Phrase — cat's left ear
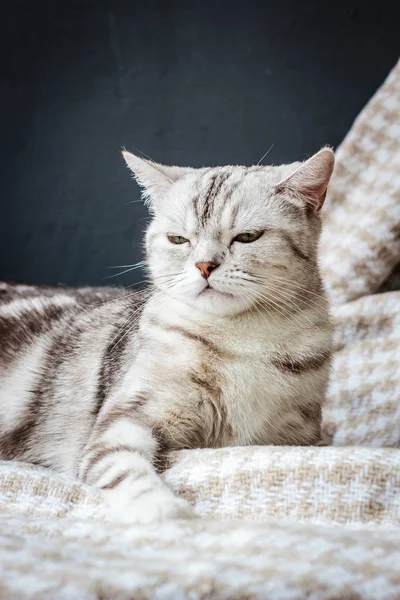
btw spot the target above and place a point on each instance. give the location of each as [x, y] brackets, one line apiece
[154, 179]
[308, 183]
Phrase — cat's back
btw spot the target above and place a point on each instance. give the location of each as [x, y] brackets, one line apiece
[59, 349]
[31, 313]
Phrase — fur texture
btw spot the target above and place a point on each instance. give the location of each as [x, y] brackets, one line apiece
[98, 383]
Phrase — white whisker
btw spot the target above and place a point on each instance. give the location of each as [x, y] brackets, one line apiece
[266, 154]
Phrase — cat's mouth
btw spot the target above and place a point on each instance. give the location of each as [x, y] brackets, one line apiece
[211, 292]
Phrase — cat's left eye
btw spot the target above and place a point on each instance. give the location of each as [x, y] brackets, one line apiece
[177, 239]
[248, 236]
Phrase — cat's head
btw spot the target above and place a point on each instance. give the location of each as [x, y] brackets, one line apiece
[226, 239]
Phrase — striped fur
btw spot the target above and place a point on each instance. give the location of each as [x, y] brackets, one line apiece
[98, 383]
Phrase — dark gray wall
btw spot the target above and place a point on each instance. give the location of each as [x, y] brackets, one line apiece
[193, 83]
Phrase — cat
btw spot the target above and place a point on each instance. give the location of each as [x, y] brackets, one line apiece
[229, 345]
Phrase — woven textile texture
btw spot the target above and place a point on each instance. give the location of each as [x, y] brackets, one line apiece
[363, 404]
[278, 523]
[360, 243]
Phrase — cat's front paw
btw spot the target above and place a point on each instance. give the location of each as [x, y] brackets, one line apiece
[152, 506]
[158, 506]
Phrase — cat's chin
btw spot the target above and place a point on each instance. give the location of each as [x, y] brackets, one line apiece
[212, 301]
[212, 293]
[220, 303]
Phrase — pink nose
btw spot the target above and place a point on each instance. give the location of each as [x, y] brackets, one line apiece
[205, 268]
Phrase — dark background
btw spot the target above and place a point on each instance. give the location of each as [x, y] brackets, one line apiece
[191, 83]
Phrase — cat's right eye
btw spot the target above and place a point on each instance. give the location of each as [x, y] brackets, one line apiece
[177, 239]
[248, 236]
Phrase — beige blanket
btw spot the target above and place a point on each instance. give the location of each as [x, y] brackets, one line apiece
[280, 523]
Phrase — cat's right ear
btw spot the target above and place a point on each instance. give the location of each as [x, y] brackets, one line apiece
[154, 179]
[309, 182]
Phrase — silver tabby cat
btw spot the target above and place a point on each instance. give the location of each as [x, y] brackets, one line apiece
[230, 345]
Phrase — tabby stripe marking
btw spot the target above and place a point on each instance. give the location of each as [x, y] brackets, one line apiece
[103, 453]
[295, 249]
[21, 438]
[15, 332]
[207, 199]
[15, 442]
[111, 363]
[210, 346]
[213, 190]
[38, 304]
[146, 490]
[212, 389]
[311, 412]
[234, 214]
[124, 412]
[196, 206]
[114, 482]
[288, 364]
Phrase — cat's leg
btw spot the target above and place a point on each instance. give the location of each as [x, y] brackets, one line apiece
[119, 460]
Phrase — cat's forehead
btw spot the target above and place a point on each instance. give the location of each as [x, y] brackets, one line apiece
[225, 197]
[208, 184]
[211, 192]
[237, 175]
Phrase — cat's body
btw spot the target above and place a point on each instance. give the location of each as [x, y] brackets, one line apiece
[95, 383]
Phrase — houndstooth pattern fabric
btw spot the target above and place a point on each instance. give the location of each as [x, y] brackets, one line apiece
[274, 522]
[363, 402]
[360, 246]
[197, 560]
[55, 540]
[360, 243]
[357, 486]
